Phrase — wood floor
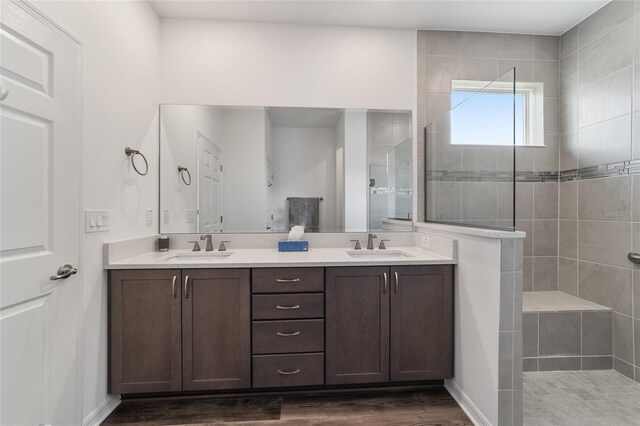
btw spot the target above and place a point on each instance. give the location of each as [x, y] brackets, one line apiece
[433, 407]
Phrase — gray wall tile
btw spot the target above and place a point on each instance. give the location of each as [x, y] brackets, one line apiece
[604, 20]
[545, 200]
[545, 237]
[526, 226]
[605, 285]
[483, 45]
[515, 46]
[505, 407]
[606, 55]
[605, 99]
[547, 72]
[545, 273]
[530, 334]
[569, 74]
[636, 294]
[445, 43]
[524, 68]
[569, 42]
[605, 242]
[527, 274]
[623, 367]
[568, 113]
[546, 47]
[568, 239]
[635, 136]
[507, 280]
[559, 333]
[636, 86]
[568, 200]
[439, 71]
[597, 334]
[568, 276]
[505, 362]
[604, 199]
[559, 364]
[597, 362]
[636, 339]
[547, 158]
[623, 337]
[568, 151]
[605, 142]
[636, 198]
[530, 364]
[524, 200]
[551, 116]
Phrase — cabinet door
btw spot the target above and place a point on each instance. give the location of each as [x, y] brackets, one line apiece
[421, 322]
[357, 325]
[144, 331]
[216, 352]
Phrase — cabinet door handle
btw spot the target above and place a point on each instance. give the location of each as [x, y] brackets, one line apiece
[287, 373]
[295, 333]
[385, 284]
[173, 286]
[288, 307]
[186, 287]
[288, 280]
[396, 282]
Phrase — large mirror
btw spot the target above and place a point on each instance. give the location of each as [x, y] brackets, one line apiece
[266, 169]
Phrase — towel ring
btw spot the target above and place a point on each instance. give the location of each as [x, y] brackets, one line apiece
[181, 170]
[132, 153]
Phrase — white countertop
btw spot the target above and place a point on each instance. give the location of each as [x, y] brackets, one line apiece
[271, 258]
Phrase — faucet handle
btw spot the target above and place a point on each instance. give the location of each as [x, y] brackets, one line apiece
[382, 246]
[357, 246]
[205, 236]
[222, 246]
[196, 246]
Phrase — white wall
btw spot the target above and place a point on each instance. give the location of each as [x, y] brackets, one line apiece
[244, 172]
[178, 127]
[237, 63]
[304, 164]
[120, 108]
[476, 322]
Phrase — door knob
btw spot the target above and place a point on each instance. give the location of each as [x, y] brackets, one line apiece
[65, 271]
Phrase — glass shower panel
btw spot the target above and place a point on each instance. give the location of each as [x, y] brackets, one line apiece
[470, 156]
[400, 181]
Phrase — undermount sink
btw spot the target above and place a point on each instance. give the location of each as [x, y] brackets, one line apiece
[378, 254]
[210, 257]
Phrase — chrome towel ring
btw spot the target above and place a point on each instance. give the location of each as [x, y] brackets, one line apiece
[181, 170]
[132, 153]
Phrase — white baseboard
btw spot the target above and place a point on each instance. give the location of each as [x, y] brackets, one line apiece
[102, 411]
[466, 404]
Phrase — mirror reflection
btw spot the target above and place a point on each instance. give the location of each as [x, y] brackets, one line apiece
[266, 169]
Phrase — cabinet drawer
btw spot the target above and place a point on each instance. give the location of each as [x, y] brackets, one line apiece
[287, 306]
[279, 337]
[288, 370]
[288, 280]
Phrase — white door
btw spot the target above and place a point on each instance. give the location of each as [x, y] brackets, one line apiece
[39, 227]
[210, 216]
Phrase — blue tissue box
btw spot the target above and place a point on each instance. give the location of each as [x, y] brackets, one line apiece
[293, 245]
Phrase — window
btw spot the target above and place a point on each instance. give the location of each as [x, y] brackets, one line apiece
[482, 113]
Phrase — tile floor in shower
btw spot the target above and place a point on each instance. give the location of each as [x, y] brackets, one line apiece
[584, 398]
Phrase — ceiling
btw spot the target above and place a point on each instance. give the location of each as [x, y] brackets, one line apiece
[552, 17]
[317, 118]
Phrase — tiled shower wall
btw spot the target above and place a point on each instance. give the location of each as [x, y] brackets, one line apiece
[447, 55]
[599, 207]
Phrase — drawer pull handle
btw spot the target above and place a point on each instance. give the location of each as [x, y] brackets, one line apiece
[288, 307]
[288, 373]
[295, 333]
[288, 280]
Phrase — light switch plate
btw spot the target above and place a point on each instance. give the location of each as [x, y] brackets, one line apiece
[426, 243]
[97, 220]
[149, 216]
[166, 216]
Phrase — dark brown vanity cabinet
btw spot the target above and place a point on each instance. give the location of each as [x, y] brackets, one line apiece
[173, 330]
[145, 331]
[389, 324]
[216, 334]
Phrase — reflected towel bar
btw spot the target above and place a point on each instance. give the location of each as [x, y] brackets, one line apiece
[634, 257]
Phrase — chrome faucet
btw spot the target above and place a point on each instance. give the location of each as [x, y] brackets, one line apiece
[209, 242]
[370, 241]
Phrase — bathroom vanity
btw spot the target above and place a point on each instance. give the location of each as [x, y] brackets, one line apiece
[338, 321]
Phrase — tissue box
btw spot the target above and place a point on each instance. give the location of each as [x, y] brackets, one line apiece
[293, 245]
